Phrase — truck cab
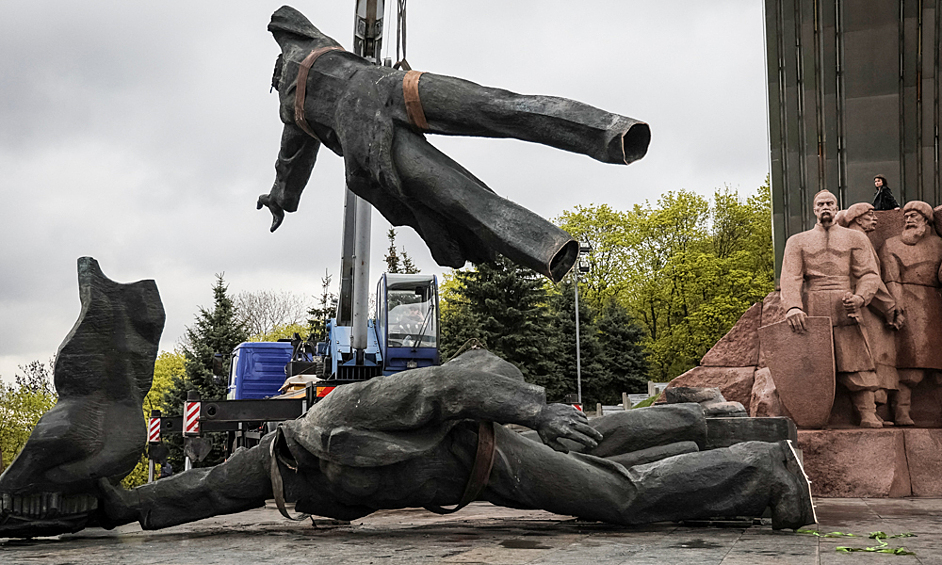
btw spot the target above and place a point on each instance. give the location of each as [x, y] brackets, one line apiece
[407, 321]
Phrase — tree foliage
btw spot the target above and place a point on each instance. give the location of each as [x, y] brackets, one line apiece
[216, 330]
[21, 406]
[507, 308]
[323, 311]
[398, 261]
[685, 268]
[168, 366]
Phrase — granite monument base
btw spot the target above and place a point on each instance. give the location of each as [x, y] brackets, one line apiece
[887, 463]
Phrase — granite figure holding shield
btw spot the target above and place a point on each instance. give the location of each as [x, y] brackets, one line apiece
[376, 118]
[830, 271]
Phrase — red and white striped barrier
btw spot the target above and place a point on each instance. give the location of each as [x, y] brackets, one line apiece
[153, 430]
[191, 418]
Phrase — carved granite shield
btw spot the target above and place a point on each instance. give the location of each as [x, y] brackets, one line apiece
[802, 368]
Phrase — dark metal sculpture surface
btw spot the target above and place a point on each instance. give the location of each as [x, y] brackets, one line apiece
[367, 114]
[103, 370]
[411, 440]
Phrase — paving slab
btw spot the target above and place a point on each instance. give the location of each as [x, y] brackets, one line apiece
[486, 534]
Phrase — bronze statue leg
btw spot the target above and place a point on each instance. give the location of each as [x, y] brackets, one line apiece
[741, 480]
[240, 483]
[454, 197]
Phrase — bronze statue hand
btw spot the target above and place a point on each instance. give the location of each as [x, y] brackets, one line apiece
[278, 214]
[563, 421]
[796, 319]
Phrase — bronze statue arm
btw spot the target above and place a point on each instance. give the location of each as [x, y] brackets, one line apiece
[292, 171]
[472, 389]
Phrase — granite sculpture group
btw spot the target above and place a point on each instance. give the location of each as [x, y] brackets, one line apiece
[884, 307]
[421, 438]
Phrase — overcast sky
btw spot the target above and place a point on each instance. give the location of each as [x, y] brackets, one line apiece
[141, 133]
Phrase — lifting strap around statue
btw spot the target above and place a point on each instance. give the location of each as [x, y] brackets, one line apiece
[410, 91]
[277, 483]
[301, 90]
[480, 471]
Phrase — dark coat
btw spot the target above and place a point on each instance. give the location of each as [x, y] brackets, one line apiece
[883, 199]
[357, 110]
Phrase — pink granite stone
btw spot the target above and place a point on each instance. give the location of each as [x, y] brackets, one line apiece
[889, 224]
[735, 383]
[740, 346]
[924, 454]
[772, 310]
[765, 401]
[802, 367]
[856, 462]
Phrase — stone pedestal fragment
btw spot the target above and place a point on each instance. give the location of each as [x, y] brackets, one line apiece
[856, 462]
[735, 383]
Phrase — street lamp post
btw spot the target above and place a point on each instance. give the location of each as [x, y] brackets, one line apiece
[581, 267]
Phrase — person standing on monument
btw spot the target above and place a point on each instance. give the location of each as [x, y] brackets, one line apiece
[910, 263]
[882, 315]
[883, 197]
[830, 271]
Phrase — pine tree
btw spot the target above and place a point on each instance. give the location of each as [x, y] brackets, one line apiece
[323, 311]
[510, 306]
[214, 331]
[392, 256]
[398, 261]
[623, 357]
[458, 323]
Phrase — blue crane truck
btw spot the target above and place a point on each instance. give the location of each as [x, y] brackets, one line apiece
[270, 382]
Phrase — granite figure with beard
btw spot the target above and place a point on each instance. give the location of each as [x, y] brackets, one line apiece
[831, 271]
[911, 263]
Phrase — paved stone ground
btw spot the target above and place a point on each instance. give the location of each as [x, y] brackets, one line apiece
[482, 533]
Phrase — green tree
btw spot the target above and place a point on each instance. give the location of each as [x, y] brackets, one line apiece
[685, 268]
[458, 323]
[509, 307]
[168, 366]
[398, 261]
[214, 331]
[323, 311]
[595, 380]
[622, 352]
[605, 230]
[285, 331]
[696, 267]
[21, 406]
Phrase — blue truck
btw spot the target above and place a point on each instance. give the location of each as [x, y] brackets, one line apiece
[257, 369]
[403, 334]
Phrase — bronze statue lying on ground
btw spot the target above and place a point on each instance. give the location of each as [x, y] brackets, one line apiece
[422, 438]
[430, 438]
[375, 118]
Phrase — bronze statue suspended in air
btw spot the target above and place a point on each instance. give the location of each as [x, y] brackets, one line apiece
[376, 118]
